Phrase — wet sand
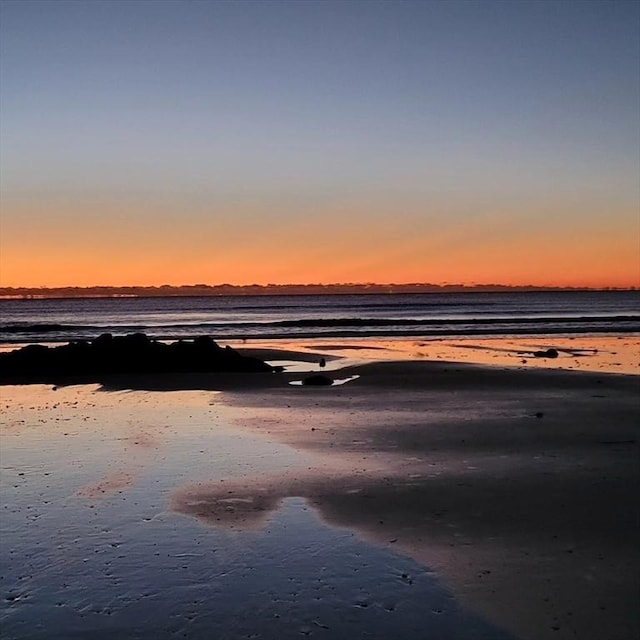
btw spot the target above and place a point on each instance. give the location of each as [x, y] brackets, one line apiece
[93, 548]
[602, 354]
[518, 486]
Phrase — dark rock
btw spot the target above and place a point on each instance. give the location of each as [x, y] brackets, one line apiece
[103, 341]
[134, 353]
[317, 380]
[549, 353]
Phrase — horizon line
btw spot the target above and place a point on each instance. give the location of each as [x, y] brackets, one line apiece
[201, 289]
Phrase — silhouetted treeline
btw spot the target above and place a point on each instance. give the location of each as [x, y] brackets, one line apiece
[201, 290]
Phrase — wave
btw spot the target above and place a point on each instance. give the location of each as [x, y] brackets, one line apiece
[406, 322]
[46, 328]
[311, 323]
[372, 305]
[331, 328]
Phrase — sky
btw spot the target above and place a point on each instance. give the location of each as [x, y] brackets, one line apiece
[189, 141]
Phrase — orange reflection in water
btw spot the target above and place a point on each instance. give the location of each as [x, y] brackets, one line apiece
[604, 354]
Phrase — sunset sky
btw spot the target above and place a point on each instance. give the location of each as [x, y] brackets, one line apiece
[145, 143]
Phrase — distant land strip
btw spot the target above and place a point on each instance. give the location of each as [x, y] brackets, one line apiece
[205, 290]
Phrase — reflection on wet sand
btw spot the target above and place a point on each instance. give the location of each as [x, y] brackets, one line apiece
[541, 542]
[517, 487]
[116, 481]
[72, 565]
[612, 354]
[228, 506]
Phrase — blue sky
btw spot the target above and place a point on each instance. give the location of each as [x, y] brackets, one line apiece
[404, 117]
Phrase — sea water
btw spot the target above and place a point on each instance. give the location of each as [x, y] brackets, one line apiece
[321, 316]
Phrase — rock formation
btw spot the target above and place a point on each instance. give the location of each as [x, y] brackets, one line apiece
[131, 354]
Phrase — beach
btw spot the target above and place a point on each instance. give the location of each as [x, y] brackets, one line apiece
[488, 494]
[319, 319]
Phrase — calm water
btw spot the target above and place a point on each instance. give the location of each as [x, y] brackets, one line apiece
[286, 317]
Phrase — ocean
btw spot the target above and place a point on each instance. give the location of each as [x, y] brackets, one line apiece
[320, 316]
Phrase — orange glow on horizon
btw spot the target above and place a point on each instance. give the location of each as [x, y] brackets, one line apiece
[331, 245]
[50, 270]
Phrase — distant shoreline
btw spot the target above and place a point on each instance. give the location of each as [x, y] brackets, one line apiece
[204, 291]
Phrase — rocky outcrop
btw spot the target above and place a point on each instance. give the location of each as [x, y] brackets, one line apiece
[130, 354]
[549, 353]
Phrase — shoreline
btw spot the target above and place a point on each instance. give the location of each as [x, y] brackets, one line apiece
[604, 354]
[340, 334]
[618, 354]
